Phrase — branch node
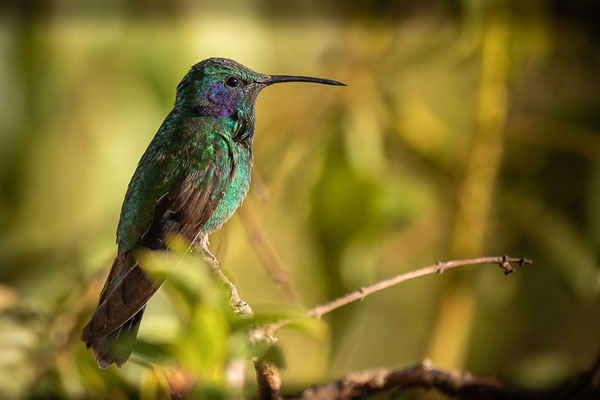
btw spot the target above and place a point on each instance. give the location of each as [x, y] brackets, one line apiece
[261, 334]
[505, 265]
[440, 267]
[427, 364]
[524, 261]
[315, 313]
[363, 291]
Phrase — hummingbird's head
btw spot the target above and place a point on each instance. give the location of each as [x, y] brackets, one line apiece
[223, 87]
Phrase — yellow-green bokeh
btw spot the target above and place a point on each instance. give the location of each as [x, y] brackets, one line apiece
[467, 129]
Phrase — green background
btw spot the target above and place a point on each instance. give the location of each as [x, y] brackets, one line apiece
[468, 128]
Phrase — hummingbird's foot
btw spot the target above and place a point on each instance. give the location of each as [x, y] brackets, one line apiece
[201, 245]
[211, 259]
[201, 242]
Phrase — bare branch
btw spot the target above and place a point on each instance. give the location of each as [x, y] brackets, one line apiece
[268, 379]
[455, 383]
[368, 382]
[586, 385]
[437, 268]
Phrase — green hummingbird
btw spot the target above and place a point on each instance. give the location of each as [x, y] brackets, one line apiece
[193, 176]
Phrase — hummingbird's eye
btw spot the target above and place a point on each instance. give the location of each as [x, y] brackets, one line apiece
[232, 81]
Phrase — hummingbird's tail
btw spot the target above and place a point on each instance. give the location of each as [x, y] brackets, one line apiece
[116, 347]
[112, 330]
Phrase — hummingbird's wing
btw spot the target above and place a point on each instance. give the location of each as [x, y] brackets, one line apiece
[183, 210]
[164, 197]
[115, 322]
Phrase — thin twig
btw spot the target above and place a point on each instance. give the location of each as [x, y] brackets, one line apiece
[270, 259]
[266, 332]
[439, 267]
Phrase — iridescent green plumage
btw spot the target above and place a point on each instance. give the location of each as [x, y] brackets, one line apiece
[189, 182]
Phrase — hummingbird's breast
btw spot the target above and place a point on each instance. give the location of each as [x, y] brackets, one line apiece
[236, 191]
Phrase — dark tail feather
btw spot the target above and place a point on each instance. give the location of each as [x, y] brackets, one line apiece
[116, 346]
[112, 330]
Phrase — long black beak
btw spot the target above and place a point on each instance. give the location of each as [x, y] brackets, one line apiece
[290, 78]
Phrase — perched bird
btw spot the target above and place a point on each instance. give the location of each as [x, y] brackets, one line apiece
[191, 179]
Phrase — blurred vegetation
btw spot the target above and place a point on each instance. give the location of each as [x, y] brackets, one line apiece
[468, 128]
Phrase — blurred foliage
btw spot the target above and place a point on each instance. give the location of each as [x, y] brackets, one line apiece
[468, 128]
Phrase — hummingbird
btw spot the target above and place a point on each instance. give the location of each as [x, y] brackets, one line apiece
[191, 179]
